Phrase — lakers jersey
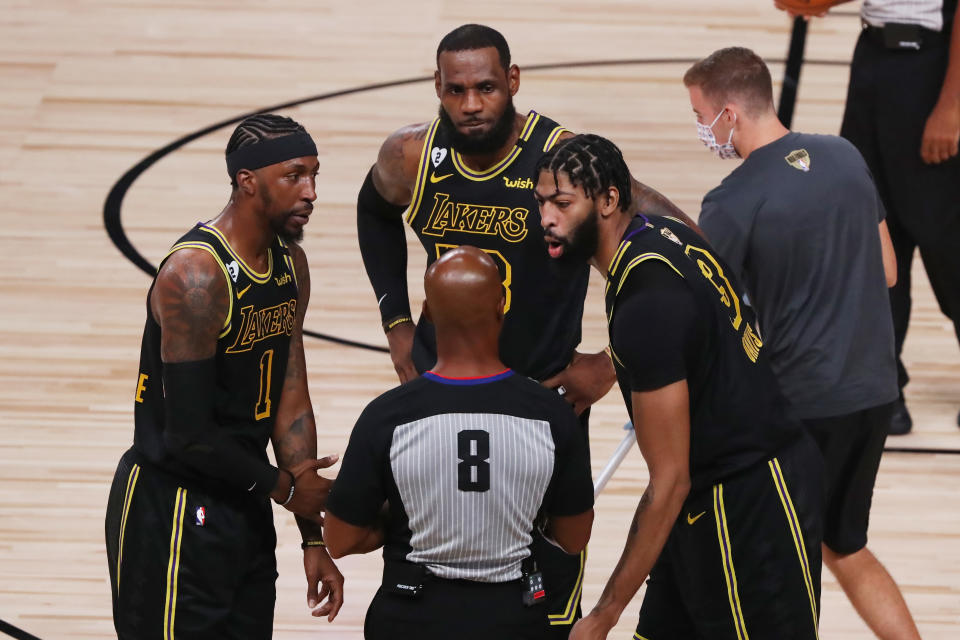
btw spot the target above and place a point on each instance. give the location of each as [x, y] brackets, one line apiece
[738, 416]
[251, 355]
[494, 210]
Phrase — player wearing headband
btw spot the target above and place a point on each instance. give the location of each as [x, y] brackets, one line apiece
[189, 526]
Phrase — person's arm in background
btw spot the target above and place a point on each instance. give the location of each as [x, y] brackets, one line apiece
[941, 134]
[383, 197]
[889, 255]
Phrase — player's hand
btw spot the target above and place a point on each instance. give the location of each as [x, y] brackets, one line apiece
[324, 581]
[590, 627]
[941, 133]
[311, 489]
[794, 14]
[586, 379]
[400, 341]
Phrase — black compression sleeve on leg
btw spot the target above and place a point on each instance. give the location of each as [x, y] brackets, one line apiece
[193, 437]
[383, 247]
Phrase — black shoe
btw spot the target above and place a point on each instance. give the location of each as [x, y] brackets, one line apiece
[900, 421]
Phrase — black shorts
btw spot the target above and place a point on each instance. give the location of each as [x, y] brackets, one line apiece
[455, 609]
[743, 559]
[851, 445]
[186, 564]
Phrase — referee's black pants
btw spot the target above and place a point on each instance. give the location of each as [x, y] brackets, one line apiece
[891, 94]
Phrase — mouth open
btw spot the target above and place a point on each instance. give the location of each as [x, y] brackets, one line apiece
[554, 248]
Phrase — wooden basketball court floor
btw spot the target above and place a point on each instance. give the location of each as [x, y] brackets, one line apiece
[89, 88]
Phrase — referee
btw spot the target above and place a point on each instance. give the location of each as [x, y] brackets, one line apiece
[451, 471]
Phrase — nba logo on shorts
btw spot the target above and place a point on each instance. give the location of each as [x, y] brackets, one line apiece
[201, 516]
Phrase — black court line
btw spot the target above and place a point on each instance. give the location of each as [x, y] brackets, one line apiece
[113, 204]
[15, 632]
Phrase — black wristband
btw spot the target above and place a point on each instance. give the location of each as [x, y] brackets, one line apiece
[392, 322]
[306, 544]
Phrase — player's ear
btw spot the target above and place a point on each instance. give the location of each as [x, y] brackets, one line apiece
[513, 79]
[500, 307]
[436, 81]
[425, 312]
[247, 182]
[609, 202]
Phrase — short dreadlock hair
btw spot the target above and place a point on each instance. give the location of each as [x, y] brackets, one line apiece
[591, 162]
[263, 126]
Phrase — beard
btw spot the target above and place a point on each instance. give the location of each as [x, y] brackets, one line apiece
[481, 143]
[278, 224]
[582, 243]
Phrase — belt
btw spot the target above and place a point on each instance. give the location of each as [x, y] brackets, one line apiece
[903, 37]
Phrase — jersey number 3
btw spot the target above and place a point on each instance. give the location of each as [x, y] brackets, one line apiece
[473, 470]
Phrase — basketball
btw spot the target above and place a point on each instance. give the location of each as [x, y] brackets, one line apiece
[806, 7]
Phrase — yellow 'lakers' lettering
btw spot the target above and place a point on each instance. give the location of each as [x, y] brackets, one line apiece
[510, 224]
[751, 343]
[141, 387]
[260, 324]
[526, 183]
[282, 280]
[711, 270]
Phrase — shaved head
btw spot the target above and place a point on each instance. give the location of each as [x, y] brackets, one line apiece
[463, 290]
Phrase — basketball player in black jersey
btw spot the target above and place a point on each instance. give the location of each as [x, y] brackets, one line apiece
[464, 178]
[189, 527]
[729, 527]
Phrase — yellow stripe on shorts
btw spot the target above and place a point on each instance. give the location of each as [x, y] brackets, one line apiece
[726, 554]
[793, 522]
[173, 564]
[570, 612]
[127, 500]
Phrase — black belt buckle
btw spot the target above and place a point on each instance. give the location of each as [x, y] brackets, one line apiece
[532, 580]
[404, 578]
[902, 36]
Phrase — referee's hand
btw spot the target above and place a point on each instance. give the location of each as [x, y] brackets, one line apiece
[586, 379]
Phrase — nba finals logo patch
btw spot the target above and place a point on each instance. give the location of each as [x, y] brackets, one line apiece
[437, 155]
[799, 159]
[201, 516]
[234, 270]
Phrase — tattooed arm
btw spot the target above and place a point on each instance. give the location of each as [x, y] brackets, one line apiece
[384, 196]
[662, 421]
[649, 201]
[189, 301]
[295, 445]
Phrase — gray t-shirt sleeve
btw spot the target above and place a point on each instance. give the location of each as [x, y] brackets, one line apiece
[725, 233]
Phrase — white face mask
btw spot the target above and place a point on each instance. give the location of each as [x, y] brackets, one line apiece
[725, 151]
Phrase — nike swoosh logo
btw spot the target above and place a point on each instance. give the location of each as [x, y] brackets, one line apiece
[380, 301]
[254, 484]
[243, 291]
[691, 520]
[434, 178]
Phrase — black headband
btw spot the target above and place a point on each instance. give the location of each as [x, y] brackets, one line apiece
[270, 151]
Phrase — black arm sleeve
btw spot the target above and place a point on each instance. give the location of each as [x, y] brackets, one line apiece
[383, 247]
[193, 437]
[358, 492]
[656, 329]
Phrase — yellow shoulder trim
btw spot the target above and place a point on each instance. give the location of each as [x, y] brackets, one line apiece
[422, 171]
[554, 137]
[643, 257]
[203, 246]
[259, 278]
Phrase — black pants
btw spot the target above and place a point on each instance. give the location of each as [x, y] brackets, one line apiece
[185, 564]
[891, 93]
[455, 609]
[743, 559]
